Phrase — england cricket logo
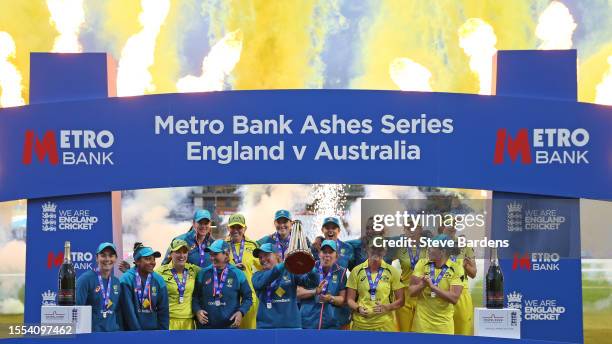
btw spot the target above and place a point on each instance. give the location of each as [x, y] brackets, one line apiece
[49, 217]
[514, 218]
[515, 300]
[48, 298]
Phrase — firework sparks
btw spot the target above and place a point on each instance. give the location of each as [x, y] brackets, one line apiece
[477, 39]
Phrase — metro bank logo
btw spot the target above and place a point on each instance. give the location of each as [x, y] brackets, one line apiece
[76, 147]
[549, 145]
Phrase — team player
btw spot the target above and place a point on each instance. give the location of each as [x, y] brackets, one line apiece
[280, 238]
[241, 255]
[320, 307]
[464, 309]
[408, 258]
[99, 289]
[180, 281]
[276, 289]
[436, 282]
[374, 291]
[331, 231]
[198, 238]
[144, 297]
[360, 246]
[222, 295]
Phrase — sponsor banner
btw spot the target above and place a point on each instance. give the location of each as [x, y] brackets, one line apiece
[365, 137]
[84, 220]
[541, 266]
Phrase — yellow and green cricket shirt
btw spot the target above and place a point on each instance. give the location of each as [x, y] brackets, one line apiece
[434, 314]
[388, 284]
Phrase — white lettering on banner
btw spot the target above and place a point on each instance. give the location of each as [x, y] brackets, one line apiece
[192, 126]
[560, 137]
[398, 151]
[87, 139]
[242, 125]
[225, 154]
[536, 310]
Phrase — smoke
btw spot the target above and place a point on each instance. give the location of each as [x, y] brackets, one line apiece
[604, 88]
[68, 17]
[477, 39]
[13, 254]
[10, 78]
[11, 306]
[431, 36]
[353, 215]
[137, 56]
[278, 49]
[216, 67]
[145, 215]
[555, 27]
[260, 202]
[409, 75]
[12, 276]
[327, 20]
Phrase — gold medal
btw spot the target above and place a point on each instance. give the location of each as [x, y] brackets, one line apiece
[110, 303]
[146, 304]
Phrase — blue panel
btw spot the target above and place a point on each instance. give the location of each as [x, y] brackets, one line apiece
[537, 73]
[60, 77]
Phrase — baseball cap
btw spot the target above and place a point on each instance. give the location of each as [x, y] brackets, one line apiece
[236, 219]
[329, 243]
[201, 214]
[265, 248]
[145, 252]
[282, 213]
[331, 219]
[218, 246]
[177, 244]
[104, 245]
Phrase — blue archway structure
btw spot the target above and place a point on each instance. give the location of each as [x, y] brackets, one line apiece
[75, 145]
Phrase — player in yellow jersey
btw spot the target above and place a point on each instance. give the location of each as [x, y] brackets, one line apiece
[241, 255]
[408, 258]
[437, 283]
[464, 309]
[374, 291]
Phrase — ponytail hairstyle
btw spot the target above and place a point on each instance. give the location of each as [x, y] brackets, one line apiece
[137, 247]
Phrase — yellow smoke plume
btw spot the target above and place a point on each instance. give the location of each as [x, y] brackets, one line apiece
[555, 27]
[10, 78]
[427, 32]
[216, 66]
[477, 39]
[138, 54]
[28, 23]
[277, 50]
[68, 17]
[604, 88]
[409, 75]
[592, 72]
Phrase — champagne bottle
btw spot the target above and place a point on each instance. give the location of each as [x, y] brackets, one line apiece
[66, 280]
[495, 283]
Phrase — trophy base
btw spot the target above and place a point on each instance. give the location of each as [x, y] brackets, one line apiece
[299, 262]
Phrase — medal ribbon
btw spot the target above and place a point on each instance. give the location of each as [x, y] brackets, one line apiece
[414, 259]
[141, 293]
[238, 257]
[218, 285]
[105, 295]
[181, 284]
[436, 280]
[373, 284]
[272, 287]
[324, 277]
[279, 244]
[202, 247]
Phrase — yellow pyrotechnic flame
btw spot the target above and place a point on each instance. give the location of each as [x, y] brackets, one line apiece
[604, 88]
[477, 39]
[10, 78]
[216, 66]
[137, 56]
[409, 75]
[555, 27]
[68, 17]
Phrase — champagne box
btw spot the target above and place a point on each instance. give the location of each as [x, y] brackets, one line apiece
[500, 323]
[79, 316]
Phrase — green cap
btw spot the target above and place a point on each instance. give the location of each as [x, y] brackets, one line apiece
[177, 244]
[237, 219]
